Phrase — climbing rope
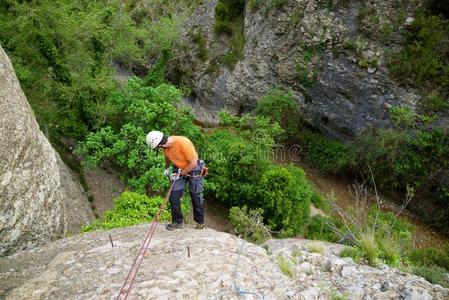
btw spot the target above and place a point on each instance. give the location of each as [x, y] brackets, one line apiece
[239, 291]
[129, 281]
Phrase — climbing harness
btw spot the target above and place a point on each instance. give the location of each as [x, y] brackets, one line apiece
[129, 281]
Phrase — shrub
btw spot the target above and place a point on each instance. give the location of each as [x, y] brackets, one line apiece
[327, 155]
[430, 256]
[285, 195]
[130, 209]
[319, 202]
[225, 13]
[403, 116]
[65, 50]
[253, 5]
[133, 112]
[278, 3]
[249, 224]
[319, 229]
[239, 156]
[375, 235]
[400, 158]
[351, 252]
[433, 274]
[424, 59]
[280, 106]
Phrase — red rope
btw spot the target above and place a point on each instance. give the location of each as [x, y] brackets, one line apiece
[129, 281]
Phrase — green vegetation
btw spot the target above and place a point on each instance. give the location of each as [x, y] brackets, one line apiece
[316, 247]
[319, 228]
[253, 5]
[200, 40]
[130, 209]
[280, 106]
[130, 113]
[278, 3]
[229, 20]
[226, 12]
[286, 266]
[423, 62]
[430, 257]
[330, 156]
[62, 51]
[239, 153]
[249, 224]
[433, 274]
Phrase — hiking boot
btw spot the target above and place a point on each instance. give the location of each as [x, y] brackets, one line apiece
[199, 226]
[173, 226]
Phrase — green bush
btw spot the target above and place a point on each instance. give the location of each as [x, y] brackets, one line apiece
[227, 11]
[285, 196]
[133, 112]
[400, 158]
[130, 209]
[423, 61]
[352, 253]
[319, 202]
[433, 274]
[278, 3]
[327, 155]
[253, 5]
[249, 224]
[430, 257]
[319, 229]
[63, 52]
[403, 116]
[280, 106]
[242, 173]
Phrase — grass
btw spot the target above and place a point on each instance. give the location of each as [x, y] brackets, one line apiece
[368, 246]
[285, 266]
[316, 247]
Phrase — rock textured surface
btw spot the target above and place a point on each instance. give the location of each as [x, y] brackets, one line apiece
[40, 197]
[330, 56]
[88, 267]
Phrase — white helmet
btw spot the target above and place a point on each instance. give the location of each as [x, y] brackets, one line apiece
[154, 138]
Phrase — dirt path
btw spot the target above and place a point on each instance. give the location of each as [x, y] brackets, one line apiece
[104, 187]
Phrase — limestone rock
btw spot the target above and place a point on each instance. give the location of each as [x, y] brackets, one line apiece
[40, 197]
[280, 43]
[88, 267]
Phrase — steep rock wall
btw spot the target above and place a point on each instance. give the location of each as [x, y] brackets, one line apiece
[320, 52]
[41, 199]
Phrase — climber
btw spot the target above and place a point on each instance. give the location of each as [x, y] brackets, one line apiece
[180, 152]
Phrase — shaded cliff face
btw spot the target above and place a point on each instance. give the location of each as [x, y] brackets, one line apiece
[332, 57]
[40, 197]
[88, 267]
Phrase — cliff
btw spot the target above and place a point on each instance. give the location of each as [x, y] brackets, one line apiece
[41, 199]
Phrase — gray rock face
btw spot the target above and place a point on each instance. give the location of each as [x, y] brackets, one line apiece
[347, 90]
[40, 197]
[88, 267]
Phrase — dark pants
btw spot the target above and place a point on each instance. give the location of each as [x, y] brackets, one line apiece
[196, 193]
